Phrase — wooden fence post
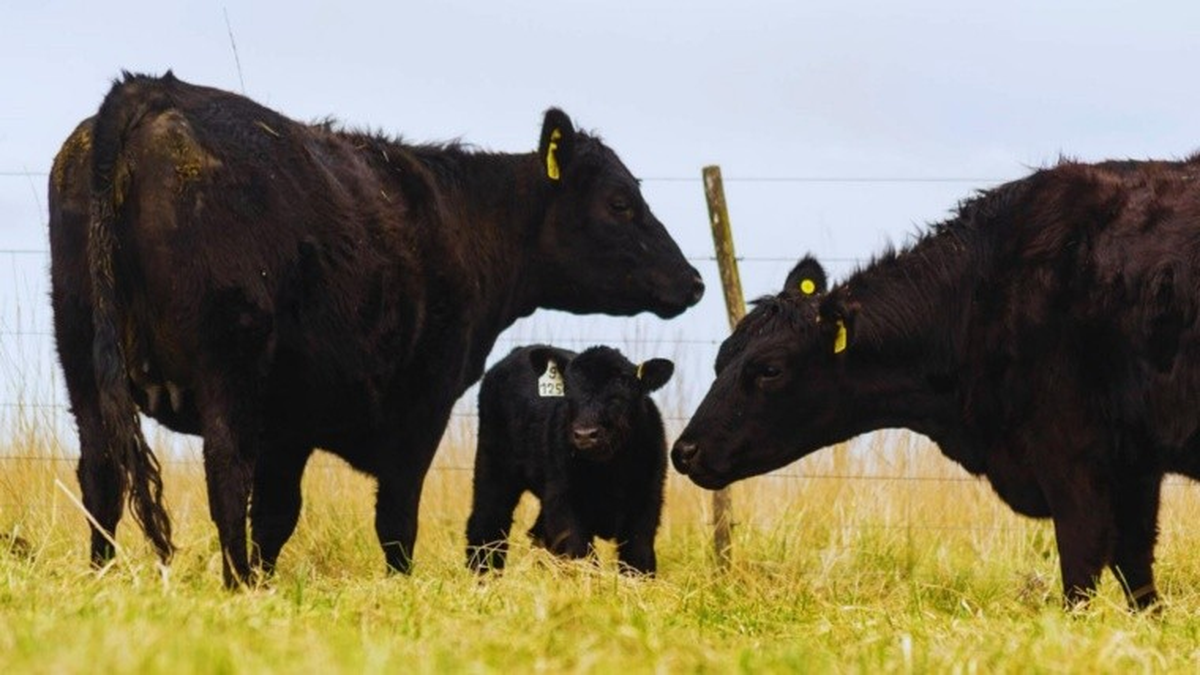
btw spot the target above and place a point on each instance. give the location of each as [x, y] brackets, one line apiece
[735, 306]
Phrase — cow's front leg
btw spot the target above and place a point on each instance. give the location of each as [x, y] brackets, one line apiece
[1135, 508]
[1081, 507]
[398, 500]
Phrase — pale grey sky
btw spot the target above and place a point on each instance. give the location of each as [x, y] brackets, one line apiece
[771, 91]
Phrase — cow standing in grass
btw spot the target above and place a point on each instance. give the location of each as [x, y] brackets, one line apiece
[276, 286]
[1045, 338]
[581, 433]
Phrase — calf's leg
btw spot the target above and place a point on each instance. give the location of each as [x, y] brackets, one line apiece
[495, 495]
[562, 530]
[635, 544]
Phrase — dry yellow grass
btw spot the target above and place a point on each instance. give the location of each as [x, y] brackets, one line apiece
[880, 557]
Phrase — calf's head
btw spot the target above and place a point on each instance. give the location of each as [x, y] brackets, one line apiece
[776, 396]
[600, 248]
[606, 395]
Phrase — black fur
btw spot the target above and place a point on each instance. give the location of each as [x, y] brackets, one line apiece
[595, 458]
[275, 287]
[1046, 338]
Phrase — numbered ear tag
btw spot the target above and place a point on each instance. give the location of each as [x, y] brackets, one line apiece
[550, 384]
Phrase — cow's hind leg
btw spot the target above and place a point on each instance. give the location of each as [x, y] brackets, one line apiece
[1135, 507]
[275, 502]
[495, 496]
[234, 353]
[102, 482]
[229, 468]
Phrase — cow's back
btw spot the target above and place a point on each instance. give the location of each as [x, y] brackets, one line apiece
[1092, 295]
[285, 225]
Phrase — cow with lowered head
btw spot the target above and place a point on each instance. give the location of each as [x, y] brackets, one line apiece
[275, 286]
[580, 432]
[1046, 337]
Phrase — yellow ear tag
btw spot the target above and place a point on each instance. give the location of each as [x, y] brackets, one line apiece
[551, 159]
[807, 287]
[639, 370]
[839, 342]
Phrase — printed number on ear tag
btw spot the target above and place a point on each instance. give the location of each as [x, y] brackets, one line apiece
[551, 384]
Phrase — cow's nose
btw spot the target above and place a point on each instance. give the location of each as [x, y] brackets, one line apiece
[684, 453]
[697, 290]
[585, 436]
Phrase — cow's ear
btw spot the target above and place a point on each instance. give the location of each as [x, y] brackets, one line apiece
[557, 146]
[807, 277]
[653, 374]
[837, 320]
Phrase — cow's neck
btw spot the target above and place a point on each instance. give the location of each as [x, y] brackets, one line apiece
[491, 204]
[910, 331]
[489, 208]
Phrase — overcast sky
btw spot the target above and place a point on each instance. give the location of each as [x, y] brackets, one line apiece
[840, 126]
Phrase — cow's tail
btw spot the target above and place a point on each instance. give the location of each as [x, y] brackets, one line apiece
[126, 103]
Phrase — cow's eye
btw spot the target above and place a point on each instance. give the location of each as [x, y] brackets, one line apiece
[768, 376]
[621, 205]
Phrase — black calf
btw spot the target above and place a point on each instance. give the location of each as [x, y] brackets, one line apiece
[581, 433]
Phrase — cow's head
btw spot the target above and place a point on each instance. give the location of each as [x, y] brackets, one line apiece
[777, 391]
[600, 248]
[605, 395]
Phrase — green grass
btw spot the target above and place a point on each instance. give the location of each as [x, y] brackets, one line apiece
[831, 573]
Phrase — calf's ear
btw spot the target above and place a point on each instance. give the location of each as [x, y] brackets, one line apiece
[557, 146]
[654, 373]
[807, 277]
[540, 357]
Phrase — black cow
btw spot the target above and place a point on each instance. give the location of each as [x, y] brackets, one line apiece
[1045, 337]
[276, 286]
[581, 433]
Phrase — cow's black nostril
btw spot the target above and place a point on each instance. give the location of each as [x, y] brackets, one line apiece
[697, 289]
[685, 452]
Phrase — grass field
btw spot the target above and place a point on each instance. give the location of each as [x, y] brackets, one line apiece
[838, 570]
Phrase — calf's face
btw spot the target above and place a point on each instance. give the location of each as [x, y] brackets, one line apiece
[601, 249]
[605, 393]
